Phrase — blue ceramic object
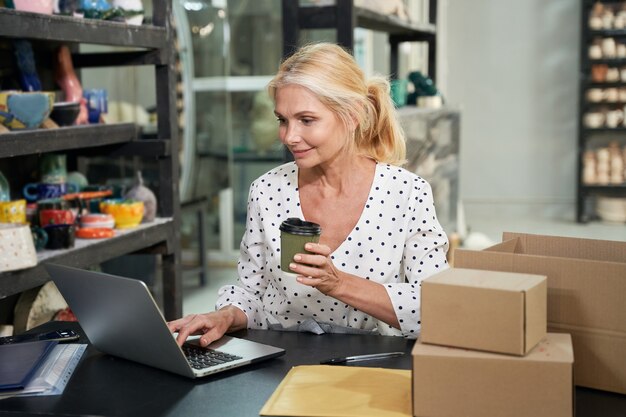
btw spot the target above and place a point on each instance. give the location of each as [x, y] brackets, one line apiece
[5, 193]
[25, 110]
[29, 80]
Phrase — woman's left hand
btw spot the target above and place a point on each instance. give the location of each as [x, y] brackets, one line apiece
[317, 270]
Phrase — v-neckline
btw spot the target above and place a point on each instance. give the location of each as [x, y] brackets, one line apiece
[357, 225]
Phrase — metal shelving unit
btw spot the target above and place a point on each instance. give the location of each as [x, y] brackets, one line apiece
[345, 17]
[152, 45]
[587, 136]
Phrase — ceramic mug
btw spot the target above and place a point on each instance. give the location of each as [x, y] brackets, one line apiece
[17, 250]
[614, 118]
[60, 236]
[611, 95]
[13, 211]
[612, 75]
[96, 103]
[595, 95]
[40, 190]
[40, 237]
[594, 120]
[51, 216]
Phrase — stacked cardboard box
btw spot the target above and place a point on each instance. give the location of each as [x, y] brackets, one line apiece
[484, 350]
[586, 287]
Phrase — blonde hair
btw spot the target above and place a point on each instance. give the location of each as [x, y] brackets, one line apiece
[332, 74]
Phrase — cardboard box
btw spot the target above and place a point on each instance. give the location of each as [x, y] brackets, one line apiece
[458, 382]
[586, 288]
[501, 312]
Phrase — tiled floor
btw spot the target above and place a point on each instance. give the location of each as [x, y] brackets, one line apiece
[202, 299]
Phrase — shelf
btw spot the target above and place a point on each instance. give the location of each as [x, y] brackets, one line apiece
[120, 139]
[231, 84]
[158, 235]
[28, 142]
[392, 25]
[24, 25]
[608, 33]
[615, 84]
[591, 131]
[248, 156]
[608, 189]
[609, 61]
[344, 17]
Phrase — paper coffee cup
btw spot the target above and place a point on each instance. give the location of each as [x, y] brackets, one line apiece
[294, 234]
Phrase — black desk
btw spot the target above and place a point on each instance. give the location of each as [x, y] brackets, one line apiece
[103, 385]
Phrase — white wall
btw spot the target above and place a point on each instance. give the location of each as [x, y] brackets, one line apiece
[512, 67]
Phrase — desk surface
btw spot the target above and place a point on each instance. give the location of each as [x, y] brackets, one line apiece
[103, 385]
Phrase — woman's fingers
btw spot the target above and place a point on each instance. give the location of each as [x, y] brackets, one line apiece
[211, 326]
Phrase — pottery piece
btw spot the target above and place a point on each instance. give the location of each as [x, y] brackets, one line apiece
[97, 220]
[25, 110]
[133, 10]
[94, 9]
[264, 129]
[50, 216]
[127, 213]
[60, 236]
[13, 211]
[96, 103]
[53, 168]
[27, 68]
[5, 190]
[17, 250]
[140, 192]
[34, 6]
[66, 78]
[40, 237]
[40, 191]
[78, 179]
[94, 233]
[65, 113]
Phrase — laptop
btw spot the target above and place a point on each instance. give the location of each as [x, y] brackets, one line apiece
[120, 317]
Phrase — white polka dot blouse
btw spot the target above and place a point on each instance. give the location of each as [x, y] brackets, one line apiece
[397, 242]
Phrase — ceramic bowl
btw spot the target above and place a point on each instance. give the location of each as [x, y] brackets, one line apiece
[127, 213]
[25, 110]
[97, 220]
[64, 113]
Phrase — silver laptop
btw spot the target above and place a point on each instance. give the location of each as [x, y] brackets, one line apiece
[120, 317]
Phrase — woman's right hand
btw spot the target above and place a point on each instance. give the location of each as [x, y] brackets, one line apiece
[211, 326]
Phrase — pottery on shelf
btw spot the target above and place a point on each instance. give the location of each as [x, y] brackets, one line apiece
[127, 213]
[5, 190]
[34, 6]
[25, 110]
[65, 113]
[17, 250]
[133, 10]
[65, 76]
[264, 129]
[140, 192]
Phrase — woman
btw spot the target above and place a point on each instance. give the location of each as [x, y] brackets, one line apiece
[380, 235]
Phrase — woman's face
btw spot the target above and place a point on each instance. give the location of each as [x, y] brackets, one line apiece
[309, 129]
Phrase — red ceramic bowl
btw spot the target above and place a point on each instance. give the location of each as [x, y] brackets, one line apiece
[53, 216]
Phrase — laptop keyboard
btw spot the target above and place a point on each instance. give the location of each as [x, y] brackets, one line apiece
[202, 358]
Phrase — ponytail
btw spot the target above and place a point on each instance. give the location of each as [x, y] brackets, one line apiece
[382, 138]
